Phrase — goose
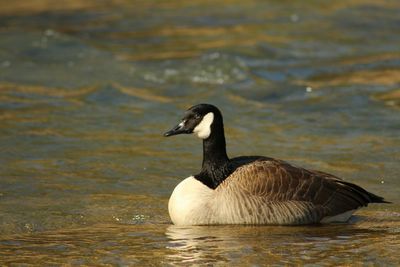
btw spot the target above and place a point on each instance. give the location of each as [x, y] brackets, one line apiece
[255, 189]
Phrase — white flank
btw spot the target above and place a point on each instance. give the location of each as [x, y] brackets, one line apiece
[188, 202]
[342, 217]
[203, 129]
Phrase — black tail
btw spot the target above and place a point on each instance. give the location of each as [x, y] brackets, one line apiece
[377, 199]
[367, 196]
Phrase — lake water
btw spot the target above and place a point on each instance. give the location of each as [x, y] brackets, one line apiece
[87, 88]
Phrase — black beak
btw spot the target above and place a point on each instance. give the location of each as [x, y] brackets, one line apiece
[178, 129]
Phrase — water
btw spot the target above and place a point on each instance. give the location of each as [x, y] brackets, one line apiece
[88, 88]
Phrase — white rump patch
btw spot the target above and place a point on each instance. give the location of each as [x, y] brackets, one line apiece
[342, 217]
[203, 129]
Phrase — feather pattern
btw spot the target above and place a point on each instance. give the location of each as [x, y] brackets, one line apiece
[255, 189]
[270, 191]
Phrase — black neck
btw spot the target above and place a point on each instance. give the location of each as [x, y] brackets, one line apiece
[215, 167]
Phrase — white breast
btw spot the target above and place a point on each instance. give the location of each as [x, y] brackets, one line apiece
[190, 202]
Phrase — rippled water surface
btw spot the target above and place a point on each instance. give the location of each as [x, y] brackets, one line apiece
[87, 88]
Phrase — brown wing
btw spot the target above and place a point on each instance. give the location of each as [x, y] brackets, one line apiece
[279, 182]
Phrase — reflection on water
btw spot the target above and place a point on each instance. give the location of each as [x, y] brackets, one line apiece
[284, 245]
[356, 243]
[88, 88]
[391, 98]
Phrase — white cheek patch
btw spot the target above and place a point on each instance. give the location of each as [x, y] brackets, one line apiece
[203, 129]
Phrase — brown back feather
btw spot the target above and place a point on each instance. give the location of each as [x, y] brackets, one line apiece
[278, 181]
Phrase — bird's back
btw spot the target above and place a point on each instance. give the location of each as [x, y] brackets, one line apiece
[263, 190]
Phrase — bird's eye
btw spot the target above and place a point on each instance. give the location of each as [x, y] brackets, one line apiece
[197, 116]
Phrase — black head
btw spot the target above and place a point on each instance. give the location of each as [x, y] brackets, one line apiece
[205, 120]
[197, 119]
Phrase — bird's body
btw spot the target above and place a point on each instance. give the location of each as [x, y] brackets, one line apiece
[256, 189]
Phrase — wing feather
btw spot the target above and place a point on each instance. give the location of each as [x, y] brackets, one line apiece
[316, 194]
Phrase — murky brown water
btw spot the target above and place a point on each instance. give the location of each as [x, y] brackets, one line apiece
[88, 88]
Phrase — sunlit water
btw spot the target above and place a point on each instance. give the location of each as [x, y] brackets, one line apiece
[87, 89]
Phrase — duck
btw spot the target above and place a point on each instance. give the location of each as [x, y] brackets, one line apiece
[255, 190]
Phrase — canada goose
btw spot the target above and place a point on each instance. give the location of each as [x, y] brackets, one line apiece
[255, 189]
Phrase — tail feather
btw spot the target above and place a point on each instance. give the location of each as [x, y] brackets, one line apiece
[377, 199]
[368, 196]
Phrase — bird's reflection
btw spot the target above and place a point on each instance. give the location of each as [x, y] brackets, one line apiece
[221, 244]
[200, 244]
